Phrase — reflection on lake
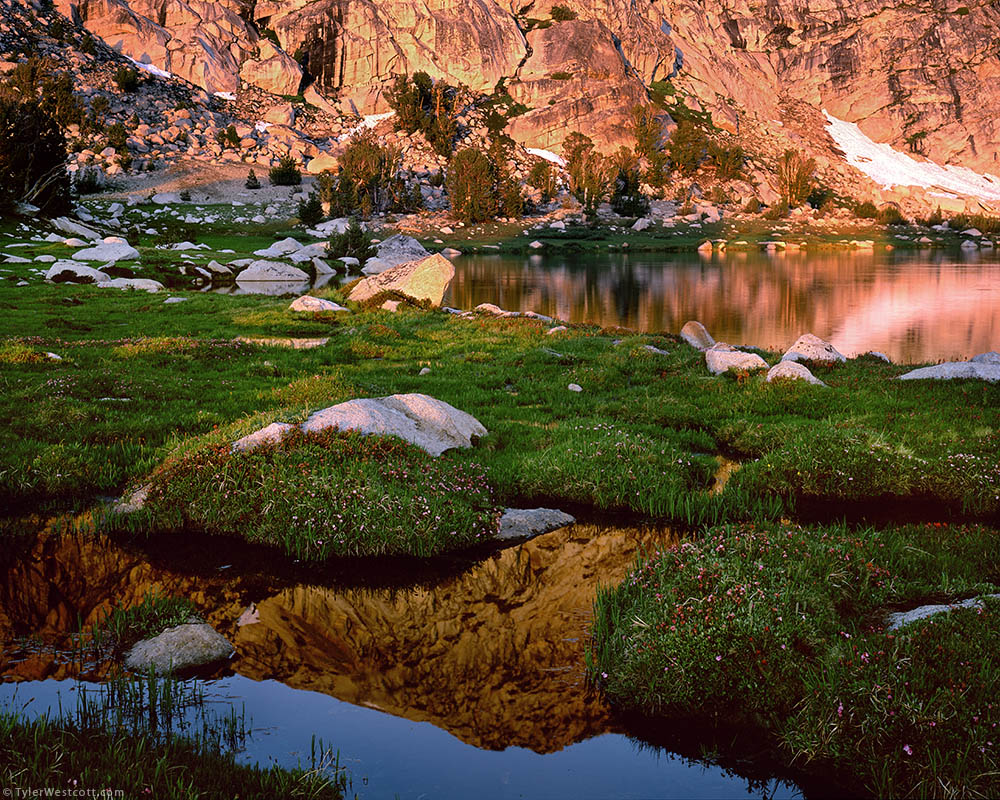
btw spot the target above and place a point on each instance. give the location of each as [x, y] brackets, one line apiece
[476, 674]
[913, 306]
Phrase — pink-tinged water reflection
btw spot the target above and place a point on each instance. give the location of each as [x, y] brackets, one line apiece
[915, 307]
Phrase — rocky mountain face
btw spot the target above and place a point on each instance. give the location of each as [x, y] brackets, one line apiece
[921, 76]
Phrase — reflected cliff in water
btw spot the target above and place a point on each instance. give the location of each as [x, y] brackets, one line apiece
[913, 306]
[492, 654]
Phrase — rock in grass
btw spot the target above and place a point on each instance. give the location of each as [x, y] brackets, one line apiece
[429, 423]
[274, 432]
[953, 370]
[66, 271]
[695, 334]
[811, 348]
[282, 248]
[309, 303]
[66, 225]
[108, 252]
[183, 647]
[792, 371]
[723, 357]
[426, 279]
[520, 523]
[139, 284]
[898, 619]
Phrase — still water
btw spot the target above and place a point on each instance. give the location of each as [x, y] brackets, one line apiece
[914, 306]
[459, 679]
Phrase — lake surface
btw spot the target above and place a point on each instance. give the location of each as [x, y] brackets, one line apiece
[457, 678]
[914, 306]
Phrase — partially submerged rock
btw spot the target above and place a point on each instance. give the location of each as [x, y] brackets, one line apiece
[184, 647]
[723, 357]
[264, 270]
[426, 279]
[520, 523]
[695, 334]
[811, 348]
[792, 371]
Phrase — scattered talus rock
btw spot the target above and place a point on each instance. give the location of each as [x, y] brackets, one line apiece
[899, 619]
[184, 647]
[426, 279]
[811, 348]
[520, 523]
[695, 334]
[722, 357]
[429, 423]
[792, 371]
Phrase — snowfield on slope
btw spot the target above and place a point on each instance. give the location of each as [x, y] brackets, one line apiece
[889, 167]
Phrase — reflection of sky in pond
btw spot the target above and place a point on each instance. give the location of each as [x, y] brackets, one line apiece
[389, 757]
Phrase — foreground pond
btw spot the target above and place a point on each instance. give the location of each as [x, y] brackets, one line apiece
[915, 306]
[461, 679]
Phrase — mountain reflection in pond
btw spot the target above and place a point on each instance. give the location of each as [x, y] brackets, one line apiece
[491, 656]
[914, 306]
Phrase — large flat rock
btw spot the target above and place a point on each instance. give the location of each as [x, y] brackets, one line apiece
[425, 421]
[426, 279]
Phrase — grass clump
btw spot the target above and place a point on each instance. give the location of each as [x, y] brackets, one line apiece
[783, 629]
[318, 495]
[152, 616]
[126, 734]
[15, 352]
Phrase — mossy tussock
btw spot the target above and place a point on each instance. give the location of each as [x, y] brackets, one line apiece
[783, 628]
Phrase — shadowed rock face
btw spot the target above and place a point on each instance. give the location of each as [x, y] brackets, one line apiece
[493, 655]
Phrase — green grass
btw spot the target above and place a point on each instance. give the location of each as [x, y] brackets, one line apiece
[782, 628]
[140, 379]
[127, 735]
[324, 494]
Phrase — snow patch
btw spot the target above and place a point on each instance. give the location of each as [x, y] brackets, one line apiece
[151, 68]
[548, 155]
[367, 123]
[225, 95]
[262, 127]
[889, 167]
